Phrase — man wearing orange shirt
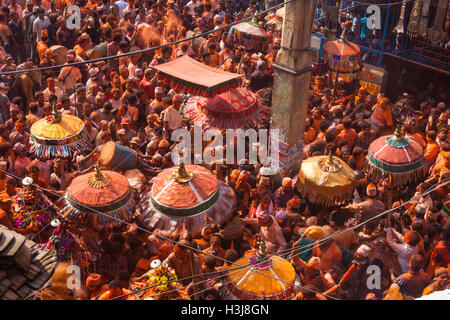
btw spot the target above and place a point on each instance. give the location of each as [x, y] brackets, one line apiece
[348, 133]
[432, 149]
[317, 117]
[381, 118]
[70, 75]
[310, 133]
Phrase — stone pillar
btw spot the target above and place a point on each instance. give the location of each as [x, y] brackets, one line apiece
[291, 79]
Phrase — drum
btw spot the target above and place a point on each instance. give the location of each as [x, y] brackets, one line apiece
[196, 42]
[114, 156]
[93, 54]
[101, 47]
[59, 54]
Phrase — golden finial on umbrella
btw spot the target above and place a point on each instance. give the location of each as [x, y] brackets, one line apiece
[398, 133]
[262, 250]
[98, 179]
[56, 116]
[182, 175]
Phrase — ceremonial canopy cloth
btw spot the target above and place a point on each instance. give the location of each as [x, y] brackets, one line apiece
[190, 76]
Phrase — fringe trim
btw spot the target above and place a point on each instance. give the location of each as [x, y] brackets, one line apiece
[234, 293]
[325, 198]
[398, 179]
[214, 215]
[62, 149]
[126, 212]
[195, 89]
[194, 113]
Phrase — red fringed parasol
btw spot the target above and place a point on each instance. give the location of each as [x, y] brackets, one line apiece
[250, 35]
[397, 158]
[106, 191]
[190, 76]
[342, 56]
[186, 197]
[237, 108]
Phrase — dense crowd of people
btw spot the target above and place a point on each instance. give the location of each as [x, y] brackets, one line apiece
[123, 100]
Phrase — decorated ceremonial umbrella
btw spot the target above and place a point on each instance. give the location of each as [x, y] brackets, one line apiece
[326, 180]
[58, 136]
[106, 191]
[395, 158]
[188, 196]
[250, 35]
[236, 108]
[342, 56]
[263, 278]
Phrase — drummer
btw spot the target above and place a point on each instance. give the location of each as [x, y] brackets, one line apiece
[123, 138]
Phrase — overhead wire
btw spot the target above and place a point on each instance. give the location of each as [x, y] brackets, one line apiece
[176, 42]
[205, 33]
[164, 238]
[309, 247]
[197, 250]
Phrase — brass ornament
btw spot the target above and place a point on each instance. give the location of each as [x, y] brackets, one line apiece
[182, 175]
[98, 179]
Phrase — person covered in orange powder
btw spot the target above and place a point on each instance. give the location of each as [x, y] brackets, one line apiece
[95, 286]
[117, 292]
[381, 118]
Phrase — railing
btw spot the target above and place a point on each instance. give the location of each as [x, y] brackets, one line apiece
[375, 44]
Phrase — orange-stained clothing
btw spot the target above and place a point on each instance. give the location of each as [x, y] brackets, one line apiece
[98, 293]
[440, 257]
[79, 51]
[316, 123]
[382, 117]
[418, 137]
[310, 135]
[431, 151]
[110, 294]
[328, 257]
[91, 5]
[349, 135]
[41, 49]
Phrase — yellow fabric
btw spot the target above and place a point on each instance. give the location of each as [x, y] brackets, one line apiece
[68, 126]
[312, 174]
[315, 232]
[258, 284]
[394, 293]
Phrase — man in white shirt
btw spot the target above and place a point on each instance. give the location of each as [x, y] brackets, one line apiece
[403, 250]
[40, 24]
[192, 5]
[131, 9]
[272, 233]
[173, 117]
[121, 4]
[52, 89]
